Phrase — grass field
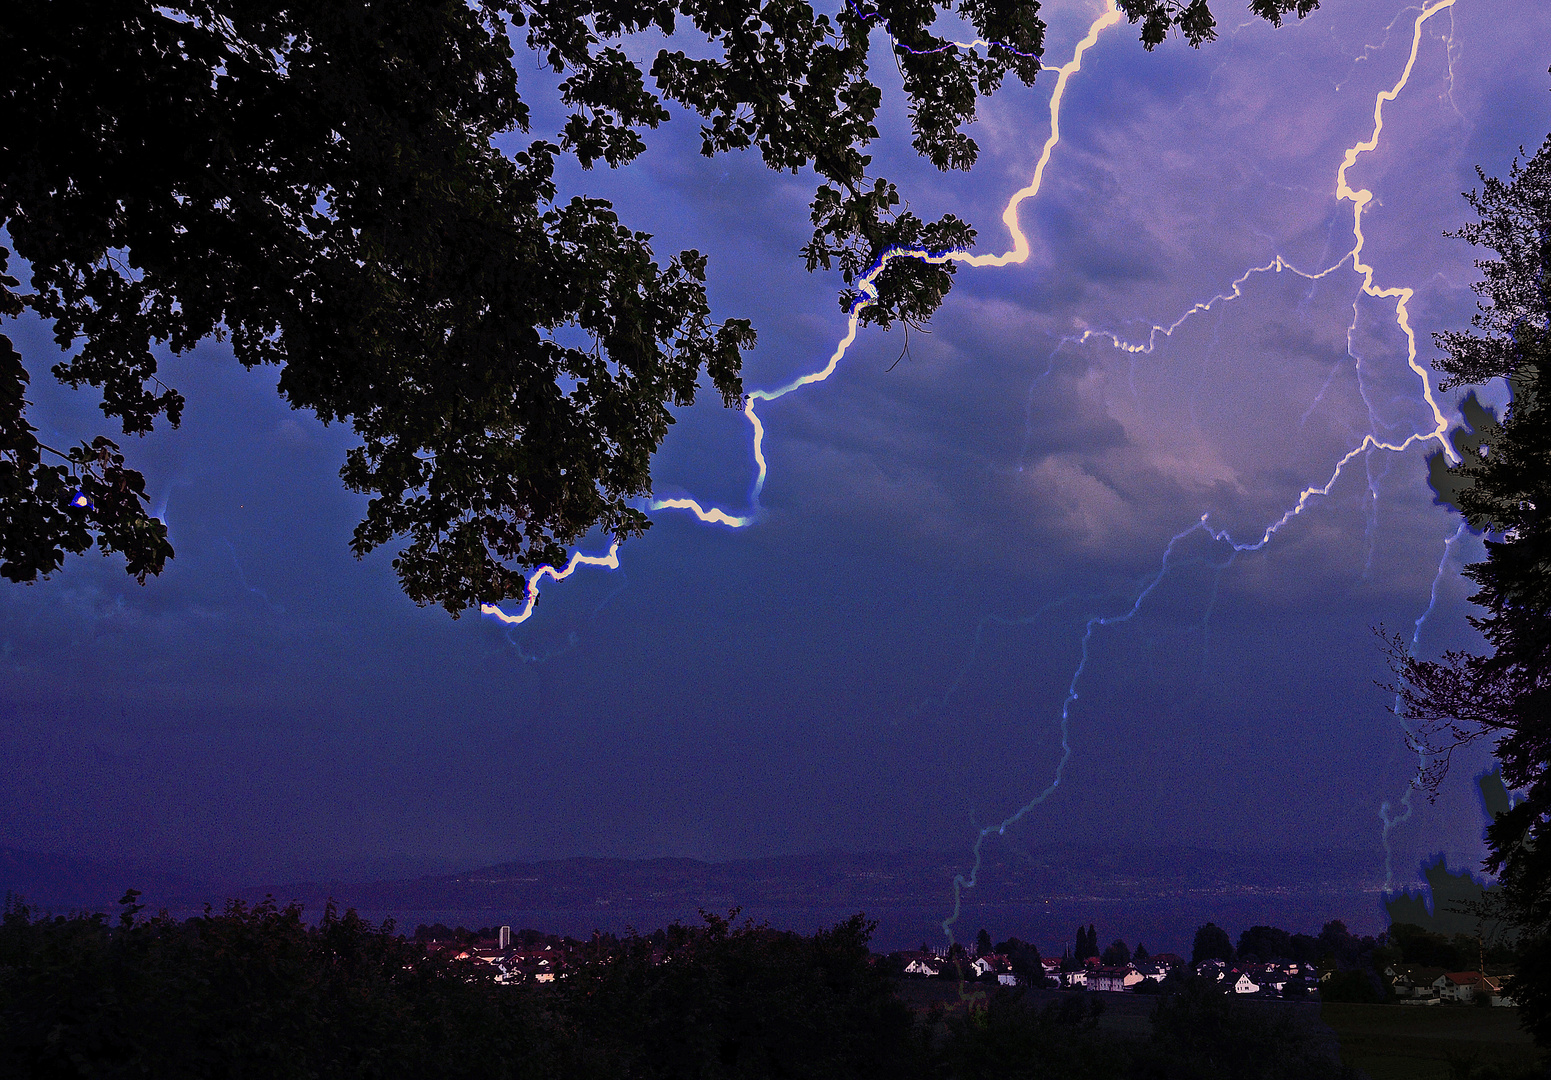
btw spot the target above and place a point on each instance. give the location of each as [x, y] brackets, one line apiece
[1407, 1042]
[1388, 1042]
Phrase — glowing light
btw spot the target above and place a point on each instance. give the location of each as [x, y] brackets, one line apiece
[80, 501]
[713, 515]
[1360, 199]
[961, 884]
[531, 594]
[1019, 253]
[1422, 761]
[1402, 297]
[866, 284]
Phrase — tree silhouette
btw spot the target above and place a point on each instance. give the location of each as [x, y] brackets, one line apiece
[1211, 943]
[317, 184]
[1503, 487]
[1117, 954]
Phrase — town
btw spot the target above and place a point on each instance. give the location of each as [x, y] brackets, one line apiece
[1406, 965]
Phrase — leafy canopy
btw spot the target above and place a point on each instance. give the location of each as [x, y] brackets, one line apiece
[1503, 487]
[317, 184]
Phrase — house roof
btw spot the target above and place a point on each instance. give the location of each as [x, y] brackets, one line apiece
[1463, 978]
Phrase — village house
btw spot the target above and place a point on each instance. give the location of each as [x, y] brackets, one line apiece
[1458, 986]
[1493, 985]
[1114, 979]
[1152, 970]
[1271, 978]
[1413, 982]
[1469, 986]
[992, 963]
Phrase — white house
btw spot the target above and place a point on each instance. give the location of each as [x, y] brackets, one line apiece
[1457, 985]
[1245, 985]
[1273, 979]
[1073, 979]
[1149, 969]
[1114, 979]
[991, 963]
[919, 967]
[1412, 982]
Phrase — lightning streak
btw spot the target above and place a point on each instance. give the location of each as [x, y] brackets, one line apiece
[866, 285]
[1421, 755]
[531, 593]
[1359, 198]
[869, 296]
[961, 883]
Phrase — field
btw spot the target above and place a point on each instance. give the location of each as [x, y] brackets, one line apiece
[1391, 1042]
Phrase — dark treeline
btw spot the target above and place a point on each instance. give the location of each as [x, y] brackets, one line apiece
[258, 992]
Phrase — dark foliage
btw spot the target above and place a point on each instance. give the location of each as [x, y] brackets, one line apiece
[1025, 959]
[1211, 943]
[317, 183]
[1013, 1040]
[1263, 944]
[1193, 18]
[1352, 985]
[744, 1001]
[1305, 948]
[1503, 485]
[1117, 954]
[249, 992]
[1087, 942]
[1462, 952]
[255, 992]
[1198, 1033]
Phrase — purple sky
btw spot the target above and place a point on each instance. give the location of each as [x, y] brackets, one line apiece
[881, 661]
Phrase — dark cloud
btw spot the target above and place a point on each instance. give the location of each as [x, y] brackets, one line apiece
[882, 661]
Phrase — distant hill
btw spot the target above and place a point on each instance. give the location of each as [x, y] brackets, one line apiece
[1158, 894]
[860, 881]
[69, 882]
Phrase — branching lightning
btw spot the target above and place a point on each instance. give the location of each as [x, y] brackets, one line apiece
[869, 295]
[1359, 198]
[1019, 252]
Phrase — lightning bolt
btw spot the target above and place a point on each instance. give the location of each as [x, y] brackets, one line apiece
[1018, 253]
[868, 289]
[1401, 295]
[869, 295]
[531, 593]
[961, 883]
[1390, 823]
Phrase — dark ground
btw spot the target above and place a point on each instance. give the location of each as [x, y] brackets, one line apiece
[1408, 1042]
[1388, 1042]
